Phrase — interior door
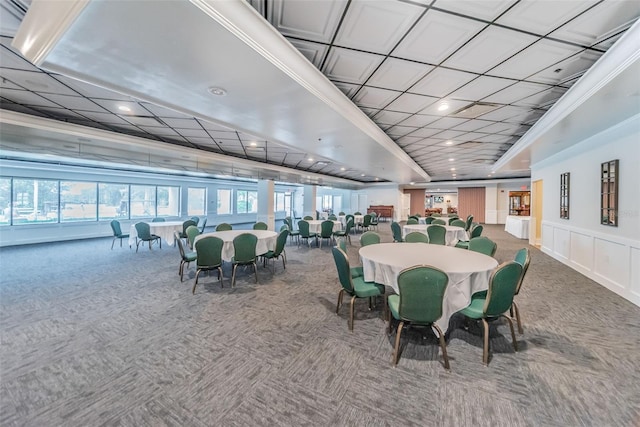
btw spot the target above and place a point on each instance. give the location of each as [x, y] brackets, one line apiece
[535, 232]
[406, 206]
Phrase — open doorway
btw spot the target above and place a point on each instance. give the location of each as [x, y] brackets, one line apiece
[535, 232]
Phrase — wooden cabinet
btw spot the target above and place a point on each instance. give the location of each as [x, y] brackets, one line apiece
[519, 203]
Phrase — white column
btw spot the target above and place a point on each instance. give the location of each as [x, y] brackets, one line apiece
[309, 204]
[491, 204]
[266, 211]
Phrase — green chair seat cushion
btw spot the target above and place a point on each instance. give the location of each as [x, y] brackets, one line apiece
[294, 233]
[190, 256]
[366, 289]
[481, 294]
[475, 309]
[462, 245]
[357, 272]
[394, 305]
[340, 233]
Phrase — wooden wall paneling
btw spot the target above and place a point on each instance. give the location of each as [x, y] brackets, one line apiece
[471, 201]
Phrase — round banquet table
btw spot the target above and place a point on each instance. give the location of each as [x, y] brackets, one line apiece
[163, 229]
[451, 238]
[315, 225]
[468, 271]
[266, 241]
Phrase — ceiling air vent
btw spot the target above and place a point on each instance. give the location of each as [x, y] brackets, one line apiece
[474, 110]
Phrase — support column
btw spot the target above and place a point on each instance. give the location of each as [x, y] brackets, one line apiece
[491, 204]
[309, 201]
[266, 212]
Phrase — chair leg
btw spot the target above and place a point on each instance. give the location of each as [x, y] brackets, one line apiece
[233, 276]
[443, 345]
[221, 277]
[255, 270]
[485, 347]
[513, 333]
[396, 348]
[353, 300]
[340, 295]
[181, 269]
[193, 291]
[518, 321]
[113, 241]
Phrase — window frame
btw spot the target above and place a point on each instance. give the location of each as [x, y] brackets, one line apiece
[609, 192]
[565, 182]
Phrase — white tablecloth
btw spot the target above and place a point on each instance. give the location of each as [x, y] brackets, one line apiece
[315, 225]
[163, 229]
[451, 237]
[266, 241]
[468, 271]
[518, 226]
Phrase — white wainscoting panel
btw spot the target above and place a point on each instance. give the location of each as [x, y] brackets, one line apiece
[490, 216]
[611, 261]
[561, 242]
[582, 250]
[635, 272]
[547, 238]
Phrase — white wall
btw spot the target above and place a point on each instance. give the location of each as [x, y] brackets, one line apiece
[608, 255]
[503, 198]
[383, 195]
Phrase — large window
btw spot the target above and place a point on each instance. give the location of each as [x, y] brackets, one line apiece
[168, 201]
[278, 202]
[113, 201]
[224, 202]
[246, 201]
[5, 201]
[34, 201]
[196, 201]
[143, 201]
[78, 201]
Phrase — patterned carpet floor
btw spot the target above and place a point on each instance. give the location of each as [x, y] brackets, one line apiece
[92, 336]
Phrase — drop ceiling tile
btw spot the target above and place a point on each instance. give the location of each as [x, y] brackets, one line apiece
[480, 9]
[376, 26]
[454, 105]
[370, 111]
[398, 131]
[390, 117]
[448, 134]
[103, 117]
[529, 117]
[537, 17]
[517, 91]
[74, 102]
[188, 133]
[469, 136]
[568, 69]
[447, 122]
[20, 96]
[488, 49]
[472, 125]
[314, 52]
[538, 56]
[398, 74]
[314, 20]
[498, 127]
[408, 140]
[347, 88]
[160, 131]
[505, 113]
[182, 123]
[542, 98]
[375, 98]
[411, 103]
[600, 22]
[35, 81]
[450, 31]
[10, 59]
[607, 42]
[351, 66]
[424, 132]
[481, 87]
[164, 112]
[61, 113]
[441, 82]
[495, 139]
[91, 91]
[419, 120]
[122, 107]
[6, 84]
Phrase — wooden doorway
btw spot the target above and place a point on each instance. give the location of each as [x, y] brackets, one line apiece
[535, 233]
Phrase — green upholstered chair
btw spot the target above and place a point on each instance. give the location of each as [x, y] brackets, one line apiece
[345, 234]
[358, 213]
[157, 219]
[204, 224]
[144, 235]
[195, 219]
[416, 237]
[355, 271]
[260, 226]
[224, 227]
[428, 220]
[117, 233]
[185, 225]
[308, 218]
[369, 238]
[353, 219]
[186, 257]
[436, 215]
[523, 257]
[499, 298]
[209, 257]
[366, 222]
[292, 232]
[468, 222]
[419, 303]
[451, 219]
[354, 286]
[192, 232]
[397, 232]
[374, 220]
[412, 220]
[341, 213]
[458, 223]
[484, 245]
[326, 231]
[244, 246]
[437, 234]
[303, 227]
[417, 214]
[475, 232]
[332, 217]
[439, 221]
[284, 227]
[279, 251]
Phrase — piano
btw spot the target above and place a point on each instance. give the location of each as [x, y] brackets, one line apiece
[383, 211]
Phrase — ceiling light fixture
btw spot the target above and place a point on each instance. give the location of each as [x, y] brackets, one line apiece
[412, 183]
[443, 107]
[253, 144]
[451, 160]
[362, 174]
[217, 91]
[310, 159]
[453, 169]
[124, 108]
[343, 169]
[449, 143]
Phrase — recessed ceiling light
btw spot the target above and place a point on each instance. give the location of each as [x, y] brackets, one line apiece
[343, 169]
[124, 108]
[443, 107]
[377, 179]
[451, 160]
[449, 143]
[453, 169]
[253, 144]
[217, 91]
[310, 159]
[362, 175]
[412, 183]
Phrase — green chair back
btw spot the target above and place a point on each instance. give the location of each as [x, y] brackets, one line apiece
[374, 218]
[342, 244]
[453, 218]
[340, 213]
[429, 220]
[326, 229]
[260, 226]
[366, 221]
[332, 217]
[436, 215]
[192, 232]
[421, 291]
[469, 221]
[347, 217]
[209, 251]
[188, 223]
[195, 219]
[458, 223]
[358, 213]
[303, 227]
[183, 253]
[204, 224]
[144, 231]
[502, 287]
[284, 227]
[115, 226]
[484, 245]
[412, 220]
[281, 241]
[476, 231]
[224, 227]
[369, 238]
[417, 215]
[156, 219]
[437, 234]
[344, 270]
[308, 218]
[397, 232]
[523, 257]
[439, 221]
[416, 237]
[244, 246]
[349, 226]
